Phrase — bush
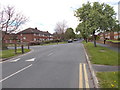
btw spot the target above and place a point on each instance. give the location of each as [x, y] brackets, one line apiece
[51, 41]
[118, 38]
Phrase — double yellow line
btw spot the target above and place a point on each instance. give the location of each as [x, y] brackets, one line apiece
[81, 71]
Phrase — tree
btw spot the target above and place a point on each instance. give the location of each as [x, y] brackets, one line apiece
[83, 28]
[69, 34]
[60, 29]
[78, 36]
[10, 20]
[99, 17]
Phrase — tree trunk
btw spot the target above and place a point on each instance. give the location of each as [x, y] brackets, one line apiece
[3, 45]
[22, 48]
[94, 39]
[104, 37]
[28, 46]
[15, 48]
[104, 41]
[86, 40]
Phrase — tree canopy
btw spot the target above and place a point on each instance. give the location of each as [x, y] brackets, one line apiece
[95, 17]
[69, 34]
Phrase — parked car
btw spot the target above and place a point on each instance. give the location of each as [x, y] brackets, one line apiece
[70, 41]
[75, 40]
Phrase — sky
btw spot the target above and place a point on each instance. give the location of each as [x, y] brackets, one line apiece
[44, 14]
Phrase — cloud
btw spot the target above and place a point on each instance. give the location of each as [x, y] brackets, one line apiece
[44, 14]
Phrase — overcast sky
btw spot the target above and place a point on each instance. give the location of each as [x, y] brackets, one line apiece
[44, 14]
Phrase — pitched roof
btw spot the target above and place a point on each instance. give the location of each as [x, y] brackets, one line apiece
[34, 31]
[46, 33]
[30, 30]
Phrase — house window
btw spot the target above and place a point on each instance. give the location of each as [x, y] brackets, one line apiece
[10, 41]
[24, 37]
[115, 32]
[34, 34]
[34, 39]
[115, 37]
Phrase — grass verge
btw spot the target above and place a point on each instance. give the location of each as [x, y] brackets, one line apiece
[11, 53]
[114, 41]
[108, 79]
[101, 55]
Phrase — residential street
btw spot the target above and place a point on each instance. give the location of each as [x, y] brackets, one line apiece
[53, 66]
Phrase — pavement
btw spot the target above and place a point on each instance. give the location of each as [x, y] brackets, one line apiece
[105, 68]
[53, 66]
[110, 47]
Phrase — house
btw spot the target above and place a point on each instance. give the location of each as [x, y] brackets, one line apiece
[109, 35]
[29, 35]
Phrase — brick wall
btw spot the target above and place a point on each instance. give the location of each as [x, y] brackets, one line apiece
[109, 35]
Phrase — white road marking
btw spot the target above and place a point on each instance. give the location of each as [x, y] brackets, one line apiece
[50, 54]
[15, 60]
[15, 73]
[30, 60]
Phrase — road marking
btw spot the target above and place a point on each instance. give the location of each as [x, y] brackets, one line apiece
[50, 54]
[86, 77]
[80, 76]
[30, 60]
[15, 73]
[15, 60]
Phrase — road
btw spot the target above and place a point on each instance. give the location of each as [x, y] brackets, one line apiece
[53, 66]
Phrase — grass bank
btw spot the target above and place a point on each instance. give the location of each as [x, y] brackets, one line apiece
[11, 53]
[101, 55]
[109, 79]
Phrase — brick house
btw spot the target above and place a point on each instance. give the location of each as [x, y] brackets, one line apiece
[109, 35]
[29, 35]
[8, 38]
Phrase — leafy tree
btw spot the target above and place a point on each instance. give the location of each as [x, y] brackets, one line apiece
[79, 36]
[83, 28]
[99, 17]
[69, 34]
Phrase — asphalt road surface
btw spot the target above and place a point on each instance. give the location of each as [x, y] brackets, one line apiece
[53, 66]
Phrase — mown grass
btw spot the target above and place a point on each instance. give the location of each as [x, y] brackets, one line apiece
[109, 79]
[101, 55]
[11, 53]
[113, 41]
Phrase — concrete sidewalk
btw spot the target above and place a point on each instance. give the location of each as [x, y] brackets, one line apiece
[105, 68]
[110, 47]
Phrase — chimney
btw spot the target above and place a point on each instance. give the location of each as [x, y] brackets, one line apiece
[35, 28]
